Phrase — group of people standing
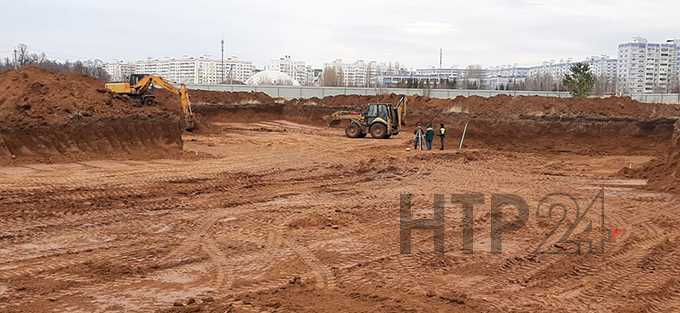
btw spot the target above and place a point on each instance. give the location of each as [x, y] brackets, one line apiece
[424, 137]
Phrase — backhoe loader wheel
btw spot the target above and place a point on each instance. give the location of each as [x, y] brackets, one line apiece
[353, 131]
[379, 131]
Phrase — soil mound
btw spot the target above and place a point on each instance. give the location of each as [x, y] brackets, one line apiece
[62, 116]
[512, 106]
[616, 125]
[217, 97]
[662, 173]
[33, 97]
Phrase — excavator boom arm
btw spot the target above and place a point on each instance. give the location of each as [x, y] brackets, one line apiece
[183, 93]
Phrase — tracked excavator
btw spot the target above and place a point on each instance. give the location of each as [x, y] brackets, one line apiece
[139, 88]
[381, 120]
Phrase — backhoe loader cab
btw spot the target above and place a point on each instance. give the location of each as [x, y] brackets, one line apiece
[381, 120]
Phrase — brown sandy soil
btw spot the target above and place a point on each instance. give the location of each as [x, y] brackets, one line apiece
[296, 218]
[35, 97]
[524, 124]
[51, 117]
[202, 97]
[661, 172]
[515, 107]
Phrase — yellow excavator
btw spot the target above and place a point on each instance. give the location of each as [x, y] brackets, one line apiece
[139, 88]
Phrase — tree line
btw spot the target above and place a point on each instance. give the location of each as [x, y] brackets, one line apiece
[23, 56]
[474, 78]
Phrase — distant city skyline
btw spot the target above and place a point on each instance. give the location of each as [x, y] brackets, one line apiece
[485, 32]
[640, 66]
[434, 62]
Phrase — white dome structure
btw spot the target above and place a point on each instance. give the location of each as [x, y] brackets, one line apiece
[271, 78]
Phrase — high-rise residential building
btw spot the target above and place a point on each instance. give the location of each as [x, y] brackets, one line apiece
[605, 71]
[298, 70]
[603, 67]
[198, 71]
[119, 71]
[676, 81]
[355, 74]
[647, 67]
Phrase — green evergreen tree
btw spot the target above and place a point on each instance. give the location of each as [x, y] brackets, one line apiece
[580, 81]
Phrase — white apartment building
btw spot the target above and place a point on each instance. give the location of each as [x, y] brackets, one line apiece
[603, 66]
[298, 70]
[647, 67]
[676, 82]
[556, 69]
[441, 73]
[505, 77]
[119, 71]
[197, 71]
[378, 72]
[350, 74]
[363, 74]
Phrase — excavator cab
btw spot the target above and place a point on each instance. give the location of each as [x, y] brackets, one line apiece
[135, 78]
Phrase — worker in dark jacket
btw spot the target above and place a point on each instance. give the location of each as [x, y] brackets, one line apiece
[442, 135]
[419, 137]
[429, 136]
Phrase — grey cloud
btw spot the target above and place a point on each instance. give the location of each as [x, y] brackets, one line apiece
[488, 32]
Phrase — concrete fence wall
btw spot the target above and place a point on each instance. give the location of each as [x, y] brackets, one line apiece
[288, 92]
[668, 98]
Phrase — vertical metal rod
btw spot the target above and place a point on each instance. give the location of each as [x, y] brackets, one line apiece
[462, 138]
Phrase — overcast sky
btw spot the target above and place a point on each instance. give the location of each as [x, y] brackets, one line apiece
[486, 32]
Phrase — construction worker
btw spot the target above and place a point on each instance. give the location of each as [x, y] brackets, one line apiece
[442, 135]
[429, 136]
[419, 139]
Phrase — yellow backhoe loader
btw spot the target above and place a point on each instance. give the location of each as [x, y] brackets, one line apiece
[139, 89]
[381, 120]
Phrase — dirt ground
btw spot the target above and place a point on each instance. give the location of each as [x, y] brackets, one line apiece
[283, 217]
[56, 117]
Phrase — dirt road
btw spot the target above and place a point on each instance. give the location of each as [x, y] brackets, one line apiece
[292, 218]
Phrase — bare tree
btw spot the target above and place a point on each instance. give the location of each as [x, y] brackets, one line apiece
[473, 77]
[329, 77]
[604, 86]
[675, 84]
[541, 82]
[24, 57]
